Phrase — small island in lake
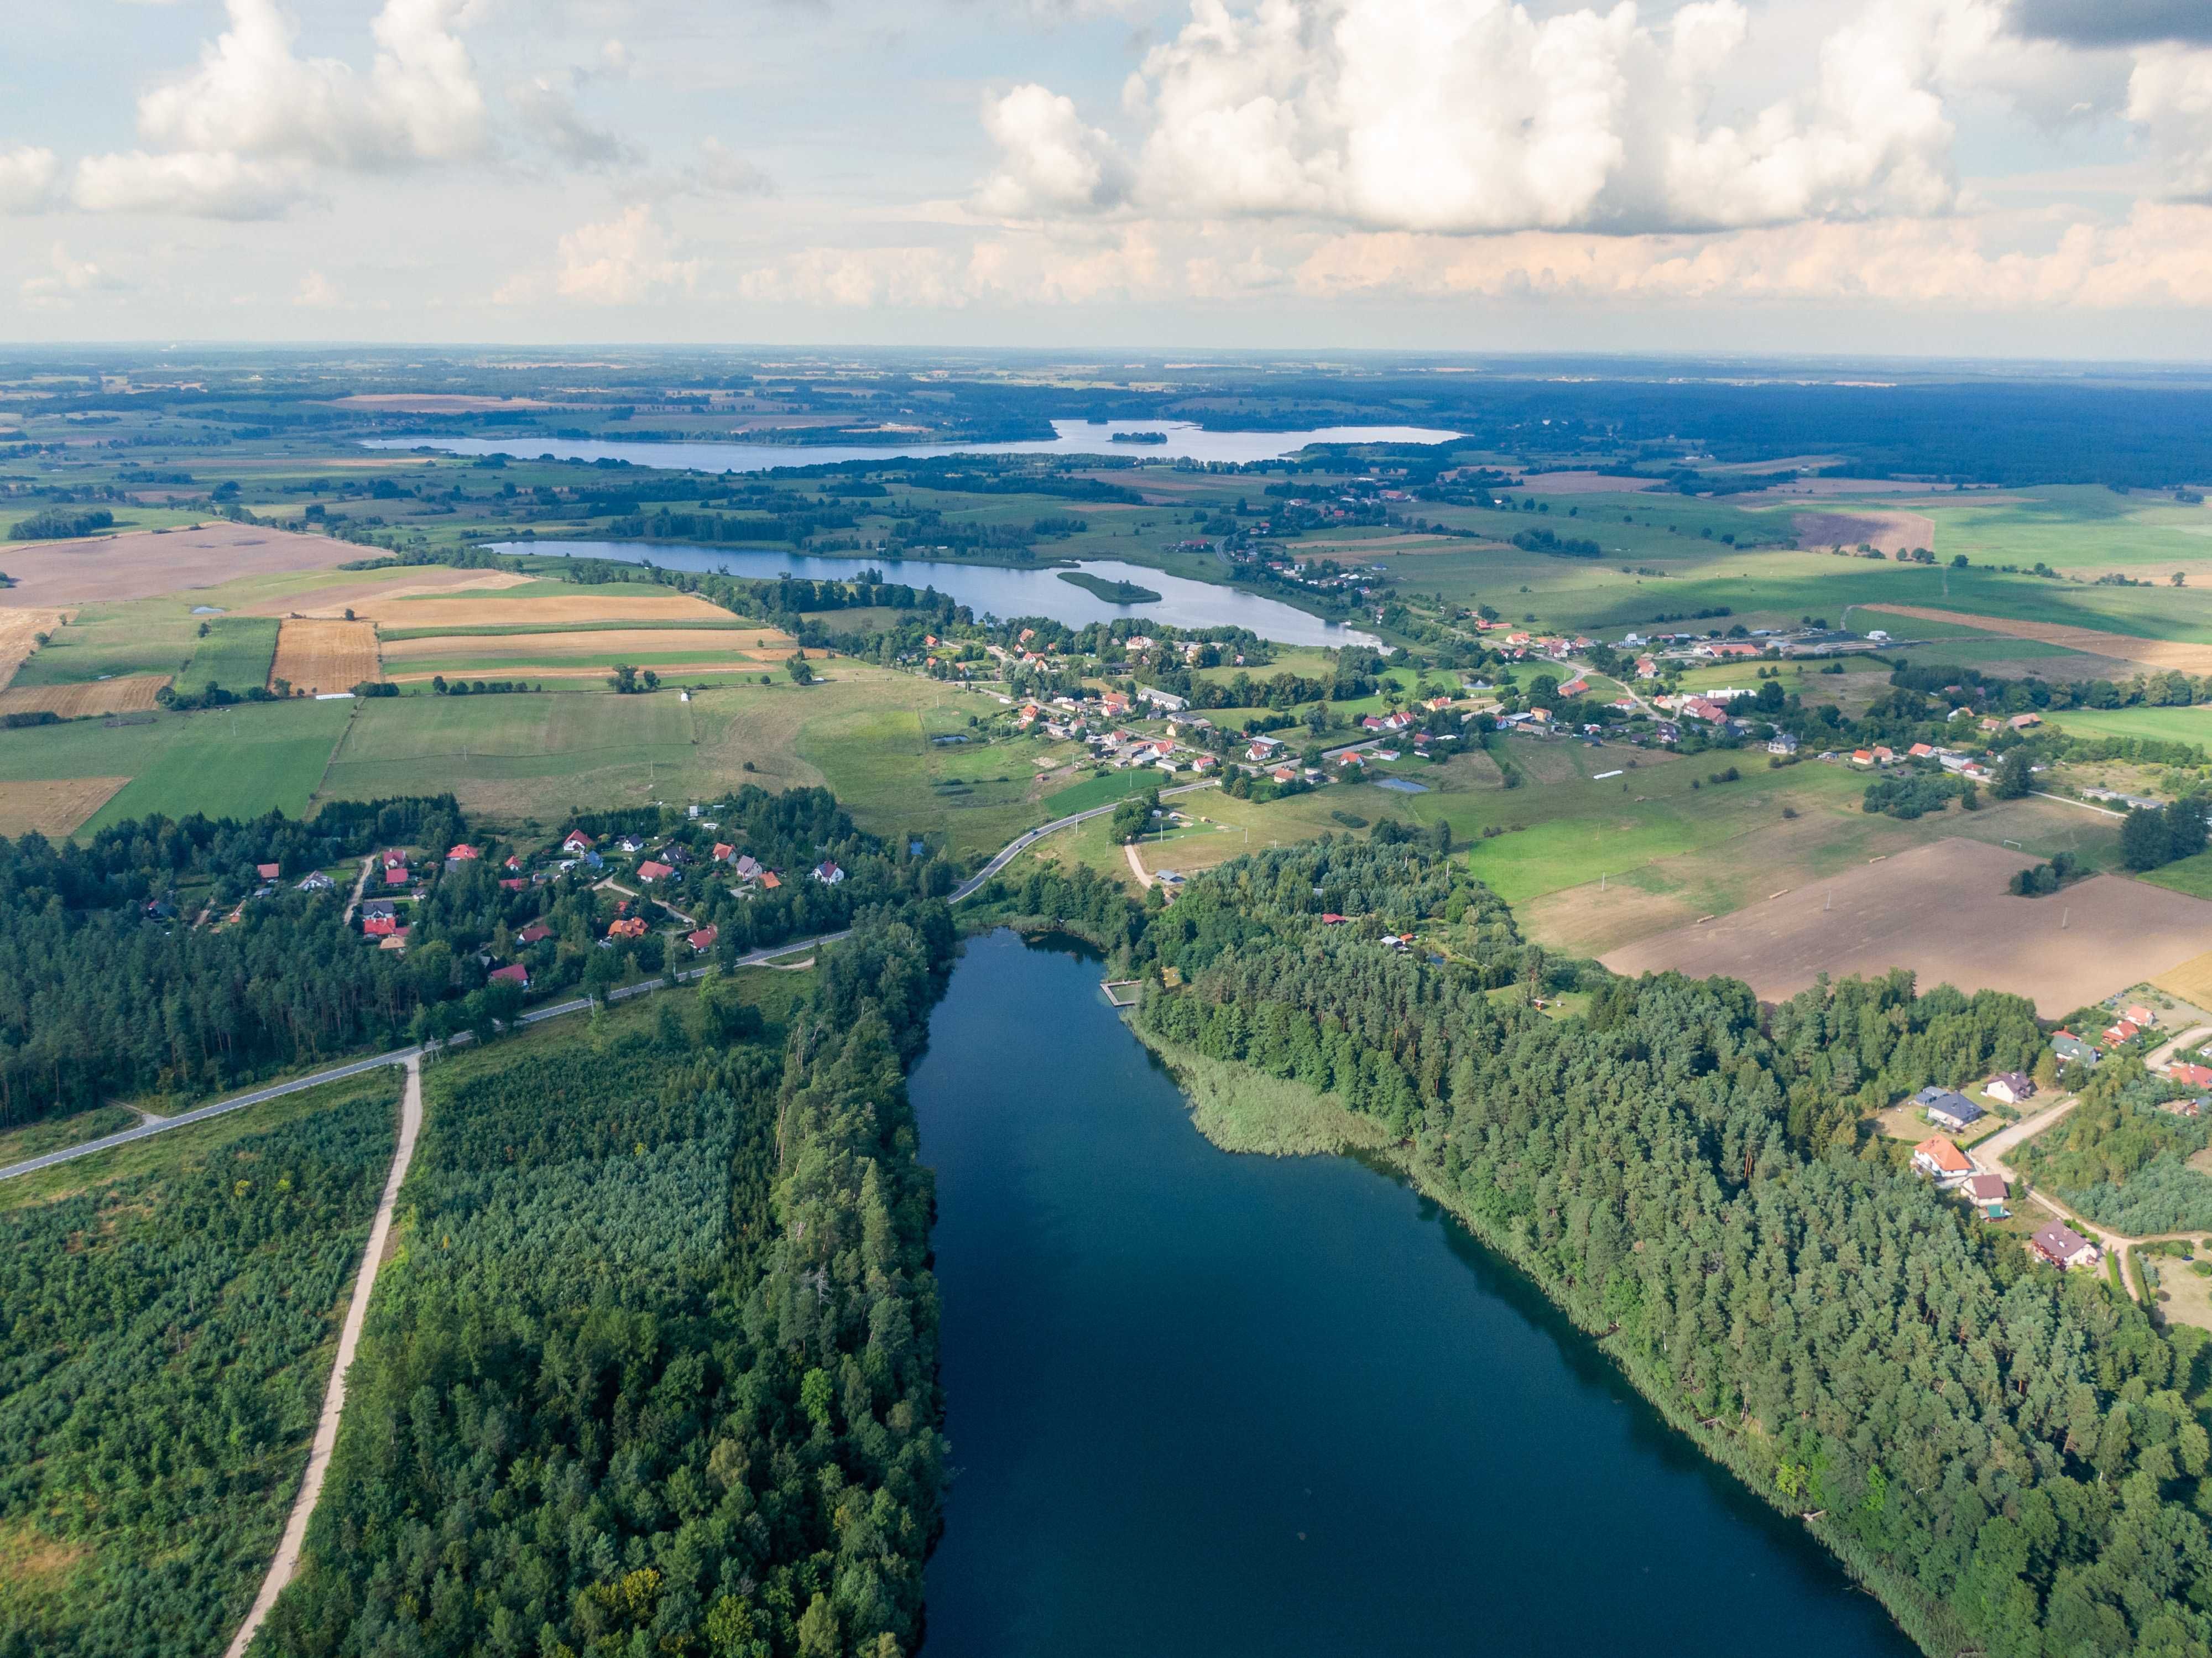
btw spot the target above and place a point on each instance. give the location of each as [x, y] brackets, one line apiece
[1139, 437]
[1114, 592]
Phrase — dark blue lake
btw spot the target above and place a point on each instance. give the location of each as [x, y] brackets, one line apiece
[1204, 1405]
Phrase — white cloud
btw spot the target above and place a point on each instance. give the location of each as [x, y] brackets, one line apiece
[209, 186]
[621, 261]
[1475, 116]
[69, 278]
[251, 95]
[2170, 98]
[316, 293]
[1051, 162]
[550, 111]
[30, 179]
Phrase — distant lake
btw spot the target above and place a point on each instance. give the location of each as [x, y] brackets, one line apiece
[1214, 1407]
[1076, 437]
[1001, 592]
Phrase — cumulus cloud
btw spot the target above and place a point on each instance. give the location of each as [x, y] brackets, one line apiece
[2170, 99]
[1476, 116]
[316, 292]
[621, 261]
[253, 95]
[69, 277]
[210, 186]
[30, 179]
[1051, 162]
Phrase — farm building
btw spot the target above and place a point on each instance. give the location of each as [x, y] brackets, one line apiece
[2062, 1246]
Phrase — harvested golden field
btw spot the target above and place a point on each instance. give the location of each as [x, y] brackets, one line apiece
[19, 636]
[2152, 652]
[321, 655]
[53, 807]
[731, 644]
[147, 562]
[132, 694]
[651, 605]
[1943, 911]
[2192, 981]
[1883, 527]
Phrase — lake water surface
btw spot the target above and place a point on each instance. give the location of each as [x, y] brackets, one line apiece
[1203, 1406]
[991, 588]
[1074, 437]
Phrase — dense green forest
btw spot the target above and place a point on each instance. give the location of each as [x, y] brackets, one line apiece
[655, 1371]
[2011, 1458]
[164, 1344]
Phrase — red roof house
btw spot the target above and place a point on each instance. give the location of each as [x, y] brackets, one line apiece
[268, 871]
[650, 871]
[516, 975]
[703, 939]
[532, 933]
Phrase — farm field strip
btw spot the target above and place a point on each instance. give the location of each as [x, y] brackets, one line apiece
[133, 694]
[316, 654]
[499, 608]
[19, 636]
[53, 806]
[2062, 952]
[2153, 652]
[607, 642]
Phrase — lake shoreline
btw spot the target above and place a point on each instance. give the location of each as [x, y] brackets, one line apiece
[1245, 1112]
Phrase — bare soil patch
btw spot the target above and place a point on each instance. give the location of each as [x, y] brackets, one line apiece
[133, 694]
[322, 655]
[19, 636]
[146, 563]
[2152, 652]
[729, 643]
[53, 807]
[1884, 529]
[1942, 911]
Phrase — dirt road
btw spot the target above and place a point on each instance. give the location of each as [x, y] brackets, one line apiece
[326, 1430]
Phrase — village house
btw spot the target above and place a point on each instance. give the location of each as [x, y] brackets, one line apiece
[627, 927]
[462, 855]
[577, 842]
[1952, 1110]
[1940, 1161]
[2121, 1031]
[2072, 1050]
[536, 933]
[2140, 1017]
[747, 867]
[2190, 1075]
[1782, 742]
[703, 939]
[723, 852]
[317, 881]
[630, 843]
[379, 927]
[2064, 1247]
[2013, 1087]
[828, 873]
[268, 871]
[517, 975]
[1987, 1189]
[650, 871]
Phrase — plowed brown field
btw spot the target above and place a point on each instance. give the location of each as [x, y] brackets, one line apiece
[316, 655]
[132, 695]
[1942, 910]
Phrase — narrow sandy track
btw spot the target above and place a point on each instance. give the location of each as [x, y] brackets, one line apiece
[326, 1430]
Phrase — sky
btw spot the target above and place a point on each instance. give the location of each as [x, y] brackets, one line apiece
[2003, 177]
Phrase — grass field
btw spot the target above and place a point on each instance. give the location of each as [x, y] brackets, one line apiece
[2162, 724]
[236, 761]
[139, 637]
[234, 653]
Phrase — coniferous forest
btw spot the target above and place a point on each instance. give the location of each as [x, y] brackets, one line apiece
[2013, 1459]
[164, 1343]
[656, 1370]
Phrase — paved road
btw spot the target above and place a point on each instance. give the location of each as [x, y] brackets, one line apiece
[2166, 1051]
[535, 1015]
[326, 1428]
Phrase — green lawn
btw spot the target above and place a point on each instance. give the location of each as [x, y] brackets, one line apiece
[235, 652]
[111, 641]
[234, 762]
[2193, 876]
[1114, 785]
